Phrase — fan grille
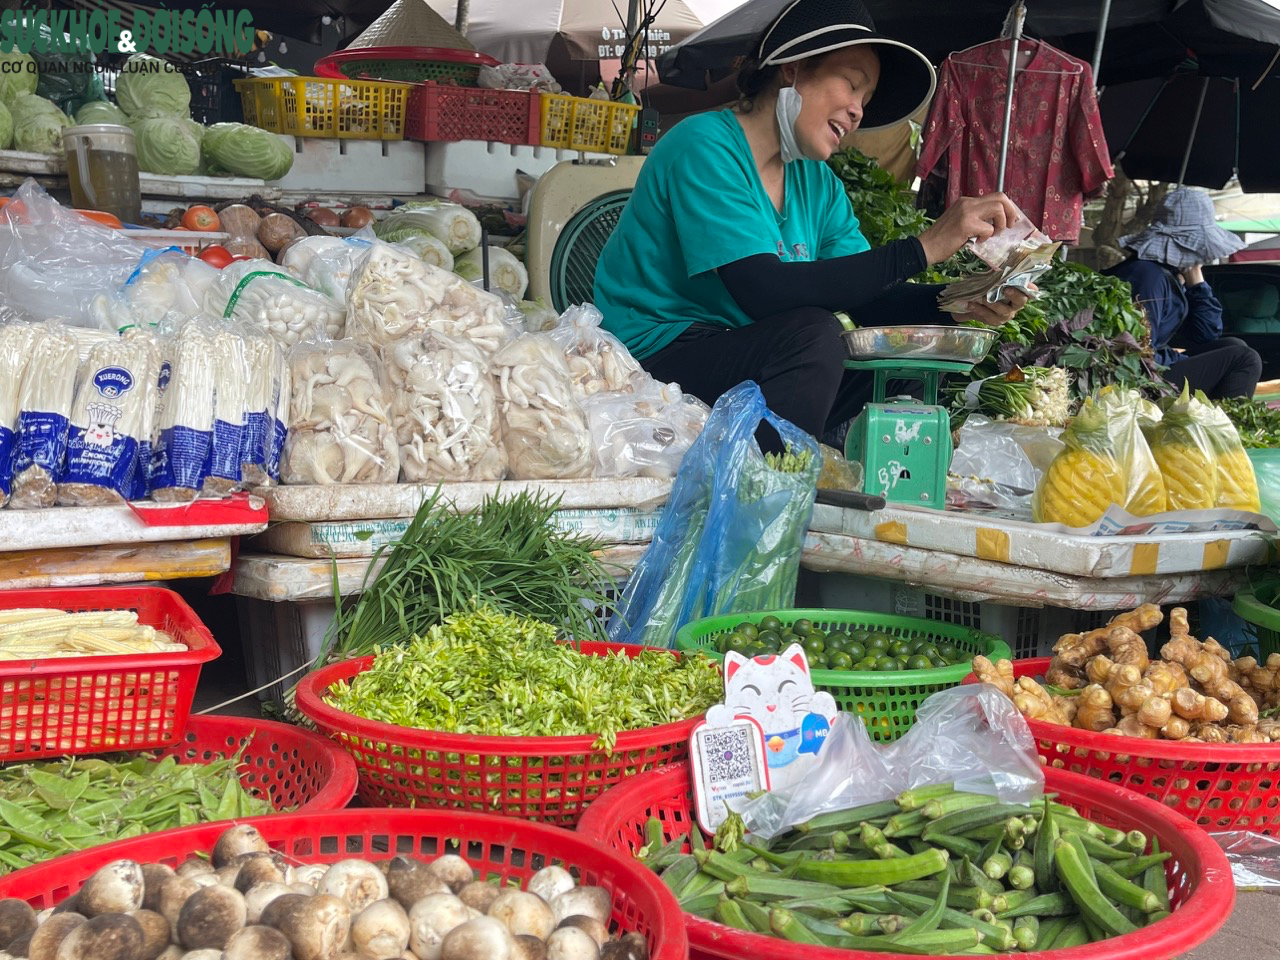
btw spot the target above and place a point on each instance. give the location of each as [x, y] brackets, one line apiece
[577, 250]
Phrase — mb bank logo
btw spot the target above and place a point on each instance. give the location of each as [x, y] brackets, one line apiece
[205, 30]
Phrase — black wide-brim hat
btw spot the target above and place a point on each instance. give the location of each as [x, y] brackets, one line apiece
[807, 28]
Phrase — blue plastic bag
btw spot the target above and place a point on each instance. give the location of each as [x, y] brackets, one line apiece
[730, 538]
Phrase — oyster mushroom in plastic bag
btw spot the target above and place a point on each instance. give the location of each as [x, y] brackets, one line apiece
[268, 297]
[598, 361]
[445, 410]
[543, 427]
[645, 433]
[339, 418]
[393, 294]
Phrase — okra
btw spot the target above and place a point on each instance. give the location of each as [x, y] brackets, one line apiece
[964, 822]
[764, 888]
[859, 924]
[993, 935]
[1050, 929]
[1076, 876]
[1045, 905]
[969, 875]
[1077, 844]
[720, 866]
[1046, 875]
[785, 925]
[1155, 879]
[1026, 932]
[997, 865]
[961, 898]
[1157, 917]
[935, 942]
[986, 916]
[678, 875]
[1108, 835]
[917, 797]
[847, 819]
[1101, 850]
[1074, 934]
[729, 912]
[1011, 900]
[814, 841]
[891, 851]
[699, 884]
[1135, 840]
[861, 873]
[1138, 866]
[955, 803]
[757, 916]
[930, 918]
[703, 905]
[1021, 877]
[905, 824]
[1124, 891]
[957, 846]
[820, 928]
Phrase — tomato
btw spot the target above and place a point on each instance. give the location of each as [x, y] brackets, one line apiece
[215, 256]
[201, 218]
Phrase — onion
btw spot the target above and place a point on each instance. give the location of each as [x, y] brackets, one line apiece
[357, 217]
[322, 216]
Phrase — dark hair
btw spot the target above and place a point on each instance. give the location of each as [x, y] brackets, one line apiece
[756, 79]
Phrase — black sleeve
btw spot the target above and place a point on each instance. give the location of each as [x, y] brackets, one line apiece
[762, 285]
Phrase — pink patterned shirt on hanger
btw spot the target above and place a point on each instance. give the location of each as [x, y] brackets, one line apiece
[1057, 151]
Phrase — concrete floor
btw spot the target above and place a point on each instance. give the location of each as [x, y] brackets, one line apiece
[1251, 933]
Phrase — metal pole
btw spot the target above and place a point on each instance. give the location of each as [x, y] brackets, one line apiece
[1195, 128]
[1019, 14]
[1102, 38]
[461, 16]
[633, 17]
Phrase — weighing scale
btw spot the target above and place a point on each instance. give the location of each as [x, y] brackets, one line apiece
[903, 443]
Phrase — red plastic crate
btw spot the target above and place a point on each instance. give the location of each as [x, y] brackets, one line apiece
[78, 705]
[1200, 886]
[552, 779]
[295, 769]
[1220, 786]
[445, 113]
[496, 847]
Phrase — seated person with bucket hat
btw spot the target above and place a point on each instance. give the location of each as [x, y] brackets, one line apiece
[739, 243]
[1164, 271]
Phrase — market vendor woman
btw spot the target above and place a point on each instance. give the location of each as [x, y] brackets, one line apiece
[739, 242]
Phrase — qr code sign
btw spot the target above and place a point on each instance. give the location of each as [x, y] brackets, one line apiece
[727, 752]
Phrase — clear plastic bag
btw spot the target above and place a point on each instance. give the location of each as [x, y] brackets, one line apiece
[598, 361]
[731, 535]
[15, 348]
[167, 286]
[543, 427]
[1266, 469]
[971, 736]
[326, 263]
[269, 298]
[339, 417]
[1000, 463]
[55, 263]
[645, 433]
[110, 420]
[1237, 485]
[445, 410]
[1180, 445]
[230, 398]
[1254, 859]
[44, 403]
[184, 436]
[1105, 461]
[266, 362]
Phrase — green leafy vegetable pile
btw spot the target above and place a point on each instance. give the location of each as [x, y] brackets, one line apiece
[1257, 423]
[494, 674]
[48, 809]
[885, 208]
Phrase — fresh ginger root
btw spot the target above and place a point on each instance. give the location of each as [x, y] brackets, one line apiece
[1155, 711]
[1098, 670]
[1126, 686]
[1127, 647]
[1270, 728]
[1074, 650]
[1034, 702]
[1131, 726]
[1248, 733]
[1176, 728]
[1193, 705]
[1210, 733]
[1165, 678]
[1261, 680]
[1209, 668]
[1095, 709]
[999, 674]
[1063, 675]
[1140, 619]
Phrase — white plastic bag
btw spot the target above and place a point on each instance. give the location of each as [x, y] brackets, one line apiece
[326, 263]
[999, 463]
[167, 286]
[269, 298]
[339, 421]
[543, 427]
[598, 361]
[445, 410]
[971, 736]
[645, 433]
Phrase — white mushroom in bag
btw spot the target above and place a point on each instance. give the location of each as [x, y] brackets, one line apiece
[598, 361]
[339, 423]
[269, 298]
[395, 295]
[543, 427]
[444, 409]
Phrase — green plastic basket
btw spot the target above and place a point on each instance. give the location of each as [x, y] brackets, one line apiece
[1255, 607]
[886, 701]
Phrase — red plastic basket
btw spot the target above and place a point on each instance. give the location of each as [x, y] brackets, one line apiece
[78, 705]
[497, 847]
[1221, 786]
[535, 778]
[295, 769]
[446, 113]
[1200, 885]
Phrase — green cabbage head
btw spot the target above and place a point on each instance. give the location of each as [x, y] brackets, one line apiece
[22, 80]
[168, 146]
[37, 124]
[6, 128]
[150, 87]
[99, 111]
[245, 151]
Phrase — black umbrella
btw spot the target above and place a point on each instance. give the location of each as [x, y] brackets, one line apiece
[1144, 38]
[1196, 130]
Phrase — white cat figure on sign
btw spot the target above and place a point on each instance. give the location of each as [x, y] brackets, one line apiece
[777, 692]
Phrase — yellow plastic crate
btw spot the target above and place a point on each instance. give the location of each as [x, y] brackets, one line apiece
[595, 126]
[321, 107]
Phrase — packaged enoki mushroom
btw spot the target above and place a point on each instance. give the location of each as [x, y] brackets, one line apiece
[15, 348]
[180, 457]
[340, 420]
[230, 387]
[109, 420]
[445, 410]
[266, 365]
[543, 427]
[44, 403]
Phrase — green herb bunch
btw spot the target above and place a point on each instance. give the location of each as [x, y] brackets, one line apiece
[494, 674]
[1257, 423]
[885, 208]
[508, 554]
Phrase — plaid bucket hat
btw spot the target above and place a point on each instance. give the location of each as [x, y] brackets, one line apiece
[1184, 232]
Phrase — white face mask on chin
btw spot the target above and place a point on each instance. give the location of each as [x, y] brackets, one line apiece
[787, 111]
